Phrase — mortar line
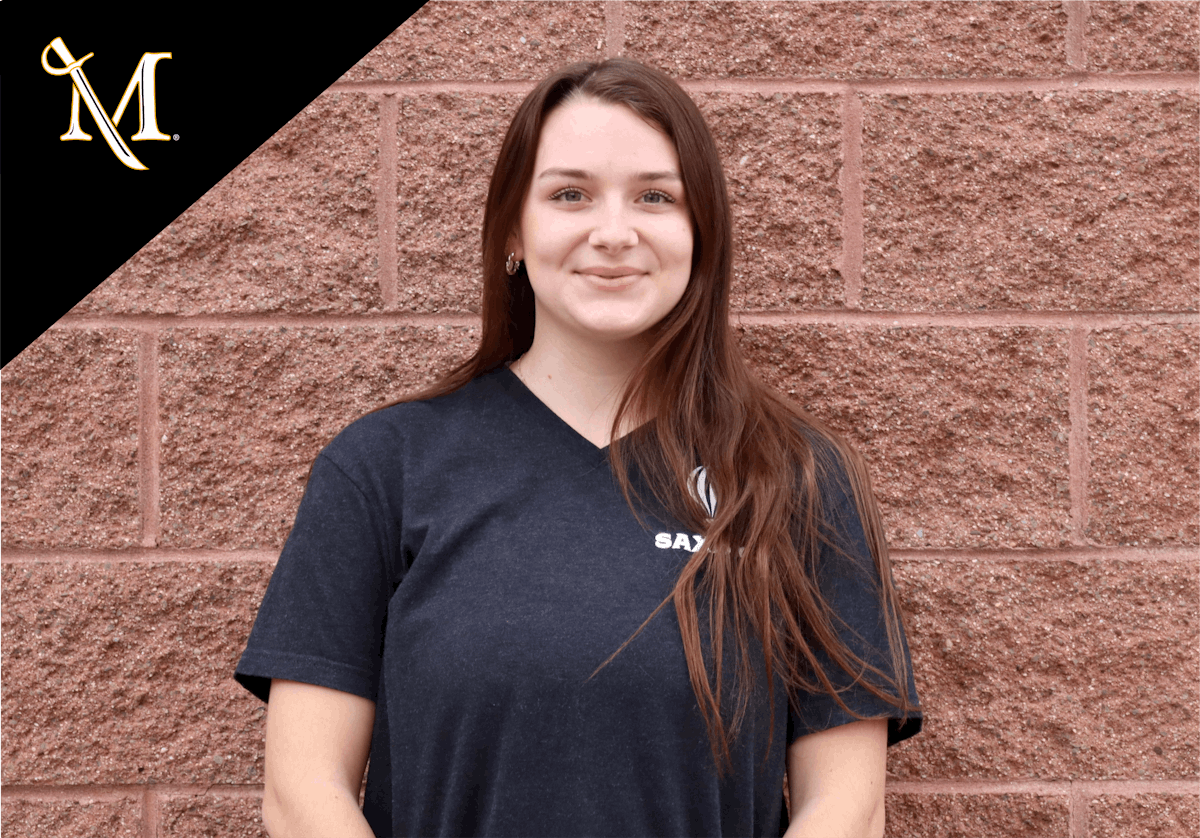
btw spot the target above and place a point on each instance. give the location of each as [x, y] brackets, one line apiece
[1082, 553]
[1077, 820]
[137, 556]
[423, 87]
[1080, 789]
[386, 200]
[148, 322]
[1149, 81]
[1044, 787]
[1130, 788]
[1077, 435]
[852, 200]
[614, 28]
[1068, 82]
[143, 324]
[971, 320]
[1077, 15]
[1085, 788]
[114, 791]
[105, 793]
[1063, 788]
[751, 317]
[149, 439]
[149, 813]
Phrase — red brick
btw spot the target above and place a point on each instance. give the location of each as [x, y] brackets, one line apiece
[782, 159]
[70, 428]
[486, 42]
[211, 816]
[848, 39]
[1144, 816]
[965, 429]
[65, 818]
[1076, 201]
[1053, 669]
[448, 146]
[133, 666]
[292, 229]
[1144, 435]
[976, 815]
[1161, 37]
[245, 412]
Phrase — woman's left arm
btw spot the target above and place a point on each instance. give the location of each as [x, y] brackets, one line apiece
[835, 781]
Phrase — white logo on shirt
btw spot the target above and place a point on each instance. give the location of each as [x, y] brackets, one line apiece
[678, 541]
[703, 492]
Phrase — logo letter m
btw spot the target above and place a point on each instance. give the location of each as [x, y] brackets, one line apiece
[142, 82]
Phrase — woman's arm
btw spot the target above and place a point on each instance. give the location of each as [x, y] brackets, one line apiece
[316, 750]
[835, 781]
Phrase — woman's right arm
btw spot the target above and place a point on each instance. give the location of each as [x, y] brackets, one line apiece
[317, 744]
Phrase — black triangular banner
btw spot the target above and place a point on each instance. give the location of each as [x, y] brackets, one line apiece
[73, 212]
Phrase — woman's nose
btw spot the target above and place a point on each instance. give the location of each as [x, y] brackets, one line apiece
[613, 230]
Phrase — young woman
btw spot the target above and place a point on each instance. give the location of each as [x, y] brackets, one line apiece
[599, 580]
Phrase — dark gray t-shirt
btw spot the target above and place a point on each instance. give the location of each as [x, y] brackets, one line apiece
[466, 562]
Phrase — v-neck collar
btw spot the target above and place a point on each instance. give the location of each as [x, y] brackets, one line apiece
[551, 420]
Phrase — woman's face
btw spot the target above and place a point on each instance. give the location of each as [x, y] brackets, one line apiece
[605, 231]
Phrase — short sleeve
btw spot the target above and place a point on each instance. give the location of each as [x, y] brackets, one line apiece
[849, 581]
[322, 618]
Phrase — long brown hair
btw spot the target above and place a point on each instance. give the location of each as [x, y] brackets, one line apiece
[766, 458]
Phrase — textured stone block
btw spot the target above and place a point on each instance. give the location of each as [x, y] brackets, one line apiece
[65, 818]
[1053, 669]
[123, 673]
[1160, 37]
[965, 429]
[848, 39]
[976, 815]
[1067, 201]
[448, 147]
[245, 412]
[486, 42]
[70, 428]
[211, 816]
[1144, 435]
[292, 229]
[1144, 816]
[782, 159]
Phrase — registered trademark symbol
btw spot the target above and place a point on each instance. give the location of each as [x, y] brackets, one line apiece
[174, 136]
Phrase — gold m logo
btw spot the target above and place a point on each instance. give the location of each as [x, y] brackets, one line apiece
[142, 82]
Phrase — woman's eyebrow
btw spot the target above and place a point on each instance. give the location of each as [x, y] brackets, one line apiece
[667, 175]
[580, 174]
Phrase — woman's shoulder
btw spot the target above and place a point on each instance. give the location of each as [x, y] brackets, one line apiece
[839, 473]
[832, 454]
[418, 422]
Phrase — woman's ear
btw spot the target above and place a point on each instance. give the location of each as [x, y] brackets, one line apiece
[513, 245]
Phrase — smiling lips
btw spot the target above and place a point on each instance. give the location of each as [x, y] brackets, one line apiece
[613, 278]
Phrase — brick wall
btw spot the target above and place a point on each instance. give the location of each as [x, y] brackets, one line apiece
[967, 236]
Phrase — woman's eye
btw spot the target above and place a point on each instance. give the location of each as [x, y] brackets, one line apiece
[571, 196]
[656, 197]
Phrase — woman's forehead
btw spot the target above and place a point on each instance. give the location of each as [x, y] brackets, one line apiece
[586, 135]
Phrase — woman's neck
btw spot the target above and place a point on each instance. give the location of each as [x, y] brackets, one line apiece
[583, 385]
